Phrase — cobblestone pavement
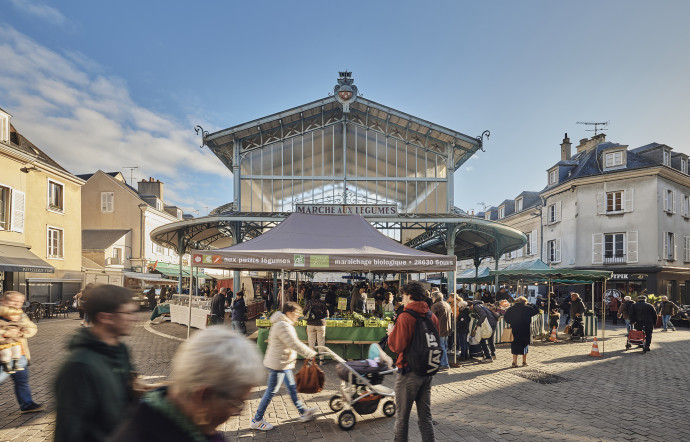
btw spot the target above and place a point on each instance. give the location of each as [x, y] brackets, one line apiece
[622, 396]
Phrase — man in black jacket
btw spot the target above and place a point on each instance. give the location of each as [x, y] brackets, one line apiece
[218, 306]
[643, 315]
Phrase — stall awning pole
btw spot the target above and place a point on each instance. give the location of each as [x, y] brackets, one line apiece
[603, 316]
[282, 288]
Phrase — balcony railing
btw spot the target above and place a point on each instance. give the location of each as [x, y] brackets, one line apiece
[615, 259]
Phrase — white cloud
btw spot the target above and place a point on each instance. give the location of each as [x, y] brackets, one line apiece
[468, 168]
[86, 120]
[43, 12]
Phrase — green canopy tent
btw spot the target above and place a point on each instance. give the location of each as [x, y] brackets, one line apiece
[539, 271]
[475, 275]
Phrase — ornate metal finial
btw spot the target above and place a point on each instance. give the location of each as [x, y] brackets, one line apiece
[345, 91]
[204, 134]
[480, 138]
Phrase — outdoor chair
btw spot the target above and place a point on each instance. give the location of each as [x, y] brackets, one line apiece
[35, 311]
[62, 309]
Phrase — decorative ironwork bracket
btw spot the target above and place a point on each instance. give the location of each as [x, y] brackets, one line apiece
[204, 134]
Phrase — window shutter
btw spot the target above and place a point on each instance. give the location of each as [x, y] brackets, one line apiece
[545, 252]
[544, 215]
[664, 239]
[104, 202]
[558, 250]
[665, 198]
[628, 196]
[673, 201]
[601, 203]
[687, 249]
[597, 248]
[17, 221]
[675, 251]
[558, 211]
[632, 246]
[519, 253]
[533, 242]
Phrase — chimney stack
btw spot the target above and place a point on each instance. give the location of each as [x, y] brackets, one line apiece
[151, 187]
[565, 148]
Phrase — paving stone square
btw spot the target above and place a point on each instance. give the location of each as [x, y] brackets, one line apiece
[622, 396]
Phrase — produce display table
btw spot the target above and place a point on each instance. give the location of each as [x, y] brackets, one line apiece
[159, 310]
[363, 335]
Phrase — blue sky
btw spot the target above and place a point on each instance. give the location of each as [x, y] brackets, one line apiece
[105, 85]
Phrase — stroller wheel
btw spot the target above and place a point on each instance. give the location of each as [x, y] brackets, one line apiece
[336, 403]
[346, 420]
[627, 346]
[389, 408]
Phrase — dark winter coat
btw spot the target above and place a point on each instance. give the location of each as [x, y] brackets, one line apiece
[643, 313]
[93, 389]
[464, 321]
[218, 305]
[577, 307]
[667, 308]
[519, 316]
[483, 313]
[442, 311]
[319, 310]
[239, 309]
[624, 309]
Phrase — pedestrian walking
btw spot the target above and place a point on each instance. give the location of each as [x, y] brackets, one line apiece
[624, 311]
[519, 316]
[26, 330]
[198, 397]
[613, 309]
[666, 310]
[410, 387]
[643, 315]
[93, 386]
[281, 354]
[484, 314]
[218, 307]
[463, 330]
[316, 313]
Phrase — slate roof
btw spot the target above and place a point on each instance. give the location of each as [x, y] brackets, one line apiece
[100, 239]
[19, 142]
[86, 176]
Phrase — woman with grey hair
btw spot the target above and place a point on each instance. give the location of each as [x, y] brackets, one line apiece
[212, 376]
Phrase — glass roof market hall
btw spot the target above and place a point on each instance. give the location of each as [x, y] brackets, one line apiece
[351, 151]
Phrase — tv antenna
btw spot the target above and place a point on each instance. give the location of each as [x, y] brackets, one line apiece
[131, 173]
[596, 126]
[484, 206]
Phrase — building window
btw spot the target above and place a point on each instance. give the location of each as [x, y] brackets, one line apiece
[669, 201]
[553, 250]
[117, 256]
[487, 215]
[667, 158]
[553, 177]
[55, 243]
[518, 204]
[55, 196]
[501, 212]
[553, 213]
[614, 248]
[159, 205]
[613, 159]
[614, 201]
[687, 249]
[669, 246]
[685, 206]
[528, 246]
[157, 249]
[684, 165]
[107, 202]
[4, 208]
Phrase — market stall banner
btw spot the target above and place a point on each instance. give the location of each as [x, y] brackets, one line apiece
[323, 243]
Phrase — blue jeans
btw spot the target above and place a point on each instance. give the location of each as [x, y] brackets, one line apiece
[275, 379]
[628, 324]
[464, 345]
[240, 326]
[666, 321]
[21, 384]
[443, 342]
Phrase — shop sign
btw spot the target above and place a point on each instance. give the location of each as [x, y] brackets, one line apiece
[371, 305]
[619, 276]
[348, 209]
[342, 303]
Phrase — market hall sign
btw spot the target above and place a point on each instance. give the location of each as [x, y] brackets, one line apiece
[348, 209]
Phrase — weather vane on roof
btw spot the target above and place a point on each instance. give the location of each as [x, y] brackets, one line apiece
[345, 91]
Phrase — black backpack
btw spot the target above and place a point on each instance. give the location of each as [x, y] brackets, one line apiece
[423, 355]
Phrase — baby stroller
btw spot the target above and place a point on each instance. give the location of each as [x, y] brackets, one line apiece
[577, 330]
[361, 387]
[635, 337]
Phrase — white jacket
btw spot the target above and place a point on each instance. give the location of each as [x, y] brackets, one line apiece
[283, 344]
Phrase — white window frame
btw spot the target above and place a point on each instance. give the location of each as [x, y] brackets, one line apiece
[518, 204]
[487, 215]
[669, 251]
[7, 206]
[107, 202]
[684, 165]
[159, 205]
[4, 127]
[615, 253]
[60, 248]
[611, 197]
[553, 177]
[157, 248]
[501, 212]
[553, 250]
[553, 213]
[687, 249]
[685, 206]
[117, 256]
[667, 158]
[669, 201]
[55, 208]
[613, 159]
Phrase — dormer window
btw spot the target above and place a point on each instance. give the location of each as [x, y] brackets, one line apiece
[553, 177]
[684, 165]
[667, 158]
[159, 204]
[4, 128]
[501, 212]
[613, 159]
[518, 204]
[487, 215]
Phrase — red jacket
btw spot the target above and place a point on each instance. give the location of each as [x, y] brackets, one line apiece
[402, 332]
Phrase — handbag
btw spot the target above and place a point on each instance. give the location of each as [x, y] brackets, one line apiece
[310, 377]
[658, 321]
[486, 330]
[507, 335]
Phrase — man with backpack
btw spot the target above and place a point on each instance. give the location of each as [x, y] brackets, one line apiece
[416, 341]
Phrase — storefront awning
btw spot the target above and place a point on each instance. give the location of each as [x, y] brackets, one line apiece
[18, 258]
[151, 278]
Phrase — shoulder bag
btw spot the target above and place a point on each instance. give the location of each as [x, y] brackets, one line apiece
[310, 377]
[507, 335]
